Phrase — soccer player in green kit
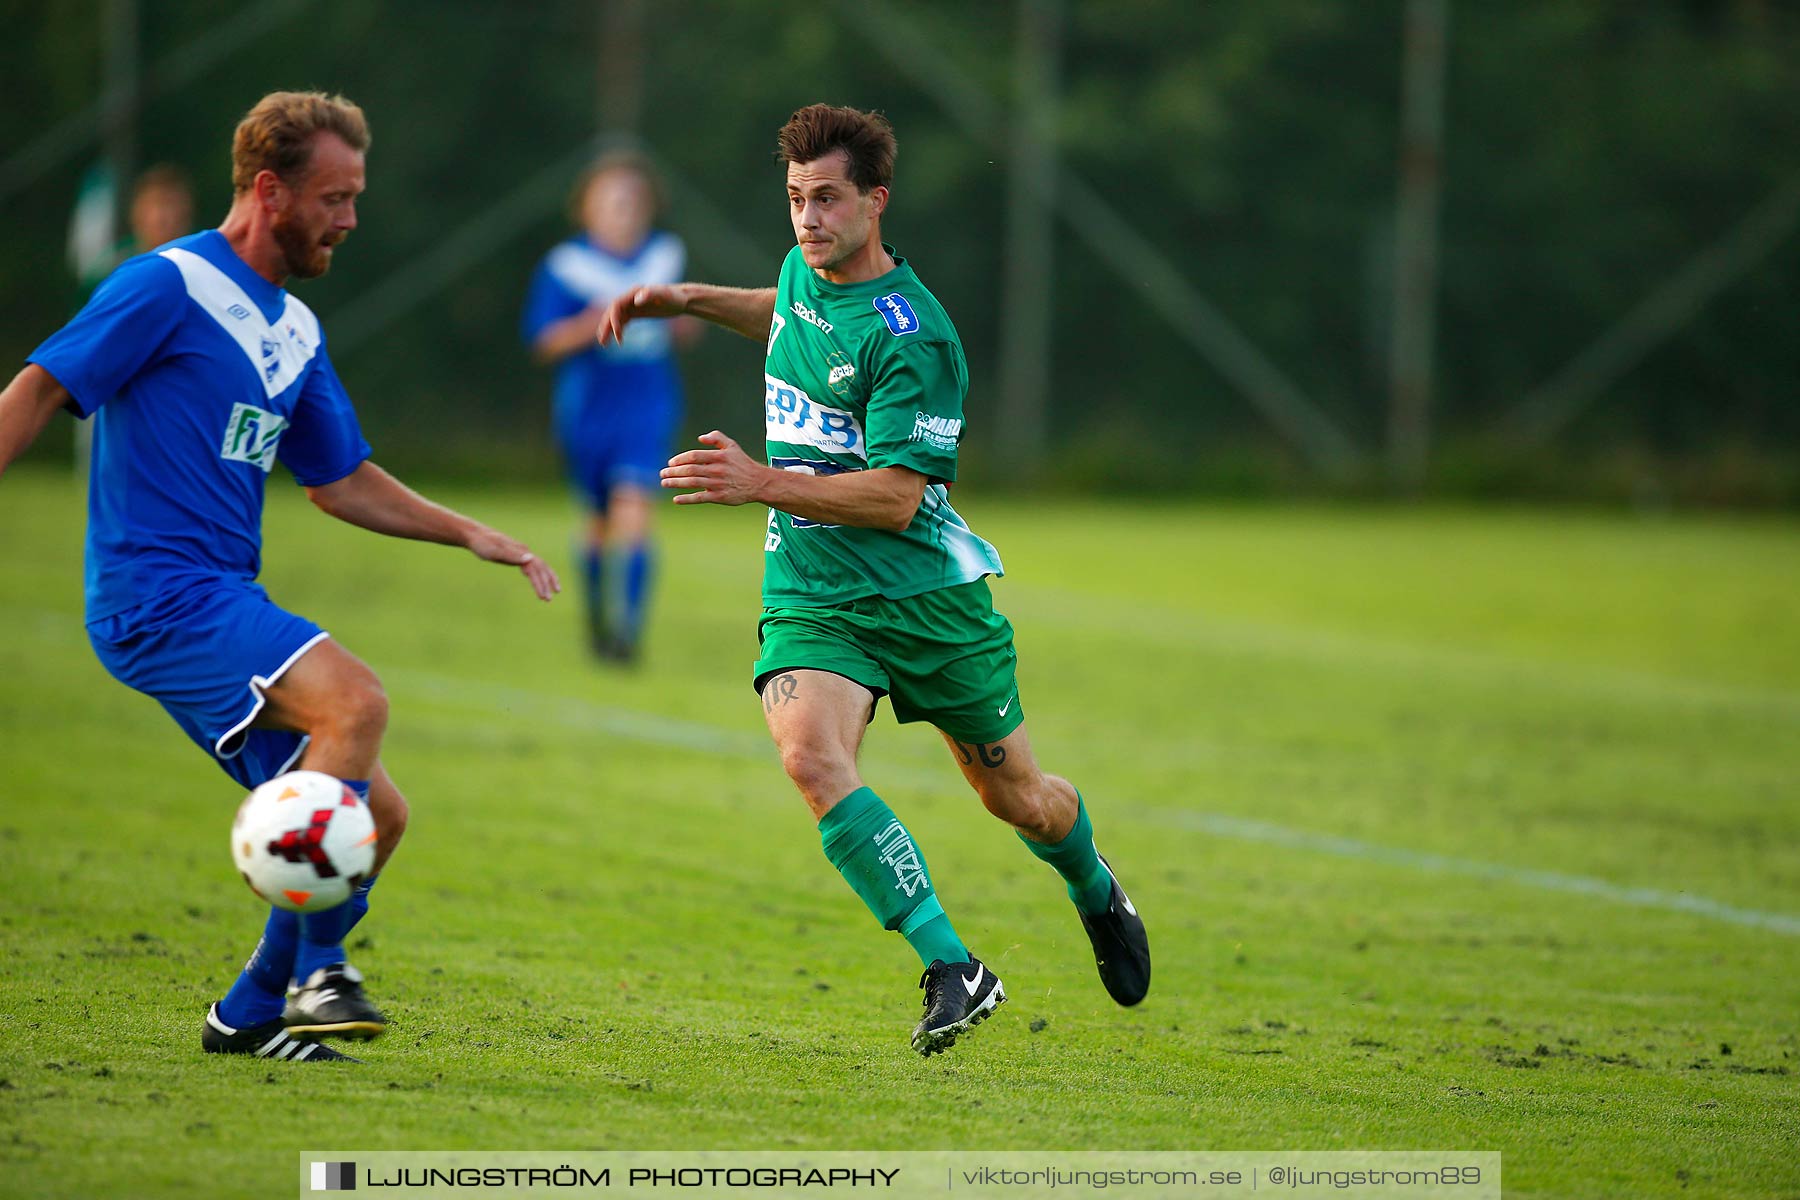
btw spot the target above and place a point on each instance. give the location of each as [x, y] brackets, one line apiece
[873, 585]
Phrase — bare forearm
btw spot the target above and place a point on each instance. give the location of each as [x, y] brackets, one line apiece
[26, 406]
[372, 499]
[571, 335]
[885, 498]
[743, 310]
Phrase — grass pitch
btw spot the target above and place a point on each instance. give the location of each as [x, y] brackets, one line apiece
[1452, 829]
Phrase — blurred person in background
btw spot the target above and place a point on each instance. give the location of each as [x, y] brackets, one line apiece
[200, 371]
[614, 407]
[161, 209]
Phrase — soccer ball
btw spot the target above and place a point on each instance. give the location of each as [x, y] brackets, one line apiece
[303, 841]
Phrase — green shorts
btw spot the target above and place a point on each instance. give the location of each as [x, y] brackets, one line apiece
[945, 656]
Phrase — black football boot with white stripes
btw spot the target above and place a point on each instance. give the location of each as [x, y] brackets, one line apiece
[330, 1003]
[1121, 946]
[269, 1040]
[958, 997]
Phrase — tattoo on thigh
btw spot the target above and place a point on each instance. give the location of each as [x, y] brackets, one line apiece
[991, 754]
[778, 691]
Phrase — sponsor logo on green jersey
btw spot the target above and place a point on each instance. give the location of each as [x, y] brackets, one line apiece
[940, 432]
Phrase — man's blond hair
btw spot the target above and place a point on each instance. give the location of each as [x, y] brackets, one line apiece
[277, 135]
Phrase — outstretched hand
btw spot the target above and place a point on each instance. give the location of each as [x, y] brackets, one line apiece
[723, 474]
[490, 545]
[655, 300]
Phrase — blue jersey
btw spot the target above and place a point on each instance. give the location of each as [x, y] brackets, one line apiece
[633, 380]
[200, 374]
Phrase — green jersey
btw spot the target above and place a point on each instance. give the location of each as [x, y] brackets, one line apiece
[861, 376]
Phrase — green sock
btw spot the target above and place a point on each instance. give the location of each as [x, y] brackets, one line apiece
[878, 858]
[1076, 860]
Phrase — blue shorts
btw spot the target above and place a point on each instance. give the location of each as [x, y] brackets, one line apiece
[206, 651]
[619, 434]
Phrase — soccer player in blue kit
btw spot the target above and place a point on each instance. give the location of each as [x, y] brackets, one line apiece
[200, 372]
[615, 407]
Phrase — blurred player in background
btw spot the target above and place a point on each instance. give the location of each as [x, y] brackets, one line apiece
[872, 584]
[200, 373]
[161, 208]
[615, 407]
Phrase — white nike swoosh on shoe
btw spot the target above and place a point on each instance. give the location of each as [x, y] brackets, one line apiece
[1122, 896]
[969, 985]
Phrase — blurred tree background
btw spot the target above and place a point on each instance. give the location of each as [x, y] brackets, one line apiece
[1617, 265]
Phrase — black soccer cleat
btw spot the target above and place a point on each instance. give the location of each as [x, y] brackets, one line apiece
[331, 1004]
[269, 1040]
[958, 997]
[621, 650]
[1121, 946]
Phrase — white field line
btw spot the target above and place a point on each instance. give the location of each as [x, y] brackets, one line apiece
[719, 742]
[1551, 881]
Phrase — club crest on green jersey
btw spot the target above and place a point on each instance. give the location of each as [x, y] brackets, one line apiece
[839, 372]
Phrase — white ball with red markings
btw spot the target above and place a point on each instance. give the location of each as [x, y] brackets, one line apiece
[303, 841]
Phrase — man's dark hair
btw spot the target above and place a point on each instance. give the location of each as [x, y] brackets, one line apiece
[820, 129]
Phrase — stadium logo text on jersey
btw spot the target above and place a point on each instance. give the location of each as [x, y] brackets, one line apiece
[842, 372]
[897, 313]
[810, 317]
[793, 417]
[251, 436]
[941, 432]
[898, 852]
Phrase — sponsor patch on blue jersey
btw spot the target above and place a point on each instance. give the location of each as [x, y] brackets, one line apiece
[897, 313]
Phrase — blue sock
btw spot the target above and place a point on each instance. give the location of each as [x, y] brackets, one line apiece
[261, 990]
[592, 562]
[322, 934]
[638, 562]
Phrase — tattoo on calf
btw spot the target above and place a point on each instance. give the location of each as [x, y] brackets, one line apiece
[778, 691]
[991, 754]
